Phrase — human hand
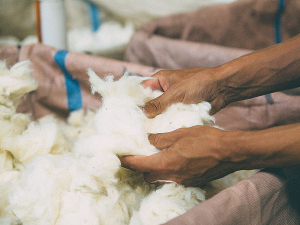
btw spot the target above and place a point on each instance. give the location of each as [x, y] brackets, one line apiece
[190, 156]
[188, 86]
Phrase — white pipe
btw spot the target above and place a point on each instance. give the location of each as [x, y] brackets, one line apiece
[53, 23]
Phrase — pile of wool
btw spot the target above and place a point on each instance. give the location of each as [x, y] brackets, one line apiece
[140, 14]
[109, 40]
[54, 172]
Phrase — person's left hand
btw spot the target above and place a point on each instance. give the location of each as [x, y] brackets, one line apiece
[190, 156]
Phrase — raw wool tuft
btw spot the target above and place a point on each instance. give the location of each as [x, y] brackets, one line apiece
[39, 138]
[7, 180]
[120, 118]
[109, 40]
[53, 172]
[167, 202]
[14, 83]
[179, 116]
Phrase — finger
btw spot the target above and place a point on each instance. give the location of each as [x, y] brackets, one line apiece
[140, 163]
[165, 140]
[153, 83]
[158, 105]
[137, 163]
[154, 107]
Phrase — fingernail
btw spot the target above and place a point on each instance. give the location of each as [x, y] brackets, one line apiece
[164, 182]
[145, 111]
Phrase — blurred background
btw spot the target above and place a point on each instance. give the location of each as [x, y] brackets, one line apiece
[99, 27]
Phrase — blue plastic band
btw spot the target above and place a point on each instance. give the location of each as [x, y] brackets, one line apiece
[72, 85]
[278, 21]
[278, 37]
[95, 17]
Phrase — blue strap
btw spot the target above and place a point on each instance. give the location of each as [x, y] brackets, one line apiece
[72, 85]
[277, 23]
[277, 26]
[95, 17]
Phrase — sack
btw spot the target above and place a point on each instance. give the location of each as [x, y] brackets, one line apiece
[268, 197]
[214, 34]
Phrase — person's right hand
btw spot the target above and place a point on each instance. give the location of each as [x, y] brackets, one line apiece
[187, 86]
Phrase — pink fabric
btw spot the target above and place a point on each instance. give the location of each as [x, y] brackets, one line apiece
[262, 199]
[212, 35]
[262, 112]
[163, 52]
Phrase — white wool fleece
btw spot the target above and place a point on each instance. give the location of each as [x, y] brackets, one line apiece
[39, 138]
[57, 173]
[167, 202]
[121, 112]
[14, 83]
[122, 128]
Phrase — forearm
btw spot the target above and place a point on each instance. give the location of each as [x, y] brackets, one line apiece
[273, 147]
[272, 69]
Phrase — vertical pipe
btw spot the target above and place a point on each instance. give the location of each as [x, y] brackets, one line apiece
[53, 23]
[38, 21]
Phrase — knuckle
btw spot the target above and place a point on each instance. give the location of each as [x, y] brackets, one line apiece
[155, 104]
[153, 108]
[164, 167]
[154, 139]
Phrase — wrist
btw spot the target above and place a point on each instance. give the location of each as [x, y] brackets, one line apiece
[233, 151]
[244, 77]
[245, 150]
[248, 150]
[265, 71]
[273, 147]
[227, 83]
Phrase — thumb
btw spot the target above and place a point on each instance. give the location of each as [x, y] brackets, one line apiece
[141, 163]
[157, 106]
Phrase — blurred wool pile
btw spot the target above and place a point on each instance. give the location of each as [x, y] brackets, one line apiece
[119, 20]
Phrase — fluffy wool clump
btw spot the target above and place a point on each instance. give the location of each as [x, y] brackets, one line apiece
[54, 172]
[14, 83]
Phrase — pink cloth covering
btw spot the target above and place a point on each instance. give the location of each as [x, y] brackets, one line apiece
[215, 34]
[265, 198]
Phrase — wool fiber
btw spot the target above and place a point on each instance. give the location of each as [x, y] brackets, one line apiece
[38, 138]
[59, 173]
[14, 83]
